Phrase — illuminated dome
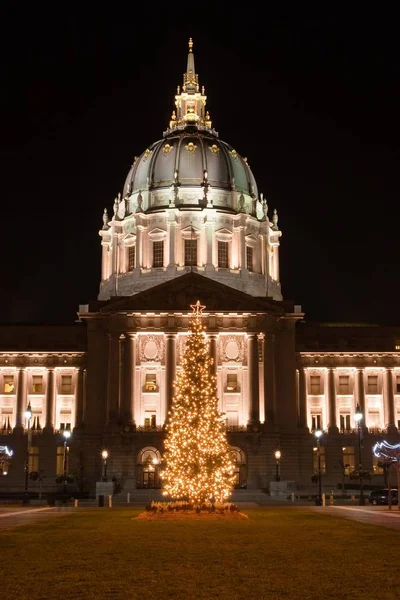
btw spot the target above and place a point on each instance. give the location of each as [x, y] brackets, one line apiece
[189, 156]
[190, 203]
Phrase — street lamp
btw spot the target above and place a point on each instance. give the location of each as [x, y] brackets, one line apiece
[358, 417]
[28, 417]
[278, 455]
[318, 434]
[67, 435]
[104, 456]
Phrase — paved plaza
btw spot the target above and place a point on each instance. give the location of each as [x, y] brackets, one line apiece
[16, 516]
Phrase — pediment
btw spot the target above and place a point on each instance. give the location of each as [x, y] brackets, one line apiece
[178, 294]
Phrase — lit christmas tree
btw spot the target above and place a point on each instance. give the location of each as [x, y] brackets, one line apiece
[198, 462]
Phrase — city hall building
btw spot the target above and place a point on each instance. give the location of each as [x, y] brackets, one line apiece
[190, 224]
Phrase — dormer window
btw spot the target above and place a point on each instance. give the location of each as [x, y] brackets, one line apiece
[249, 258]
[158, 254]
[190, 252]
[131, 257]
[223, 255]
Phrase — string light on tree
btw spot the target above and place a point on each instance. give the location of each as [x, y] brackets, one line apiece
[198, 461]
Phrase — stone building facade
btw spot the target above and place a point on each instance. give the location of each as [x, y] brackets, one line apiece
[191, 225]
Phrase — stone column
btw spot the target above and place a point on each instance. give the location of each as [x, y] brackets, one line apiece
[130, 363]
[21, 398]
[209, 238]
[213, 352]
[139, 248]
[50, 388]
[172, 257]
[389, 403]
[302, 398]
[276, 252]
[332, 401]
[121, 375]
[269, 379]
[170, 368]
[104, 262]
[360, 391]
[113, 379]
[242, 249]
[254, 394]
[79, 399]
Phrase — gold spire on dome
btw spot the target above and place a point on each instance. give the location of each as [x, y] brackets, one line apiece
[189, 102]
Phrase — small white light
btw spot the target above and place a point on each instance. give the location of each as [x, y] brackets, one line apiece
[66, 434]
[318, 433]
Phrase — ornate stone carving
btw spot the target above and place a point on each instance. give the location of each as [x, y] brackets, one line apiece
[191, 147]
[167, 149]
[147, 154]
[232, 348]
[151, 348]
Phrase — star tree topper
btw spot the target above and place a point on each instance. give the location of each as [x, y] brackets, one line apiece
[197, 308]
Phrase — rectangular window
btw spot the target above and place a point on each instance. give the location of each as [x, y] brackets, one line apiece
[150, 383]
[60, 460]
[398, 384]
[33, 462]
[348, 459]
[150, 419]
[8, 384]
[372, 384]
[315, 459]
[37, 384]
[65, 420]
[131, 257]
[223, 255]
[158, 254]
[377, 465]
[231, 382]
[316, 422]
[249, 258]
[190, 253]
[345, 422]
[232, 418]
[315, 385]
[344, 384]
[66, 384]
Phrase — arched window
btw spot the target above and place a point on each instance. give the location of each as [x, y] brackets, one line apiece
[148, 469]
[239, 460]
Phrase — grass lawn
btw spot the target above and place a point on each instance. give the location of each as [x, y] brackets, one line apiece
[277, 553]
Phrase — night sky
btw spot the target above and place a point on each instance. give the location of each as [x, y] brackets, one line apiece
[312, 101]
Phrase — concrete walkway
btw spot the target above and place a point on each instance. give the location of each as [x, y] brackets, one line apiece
[371, 515]
[16, 516]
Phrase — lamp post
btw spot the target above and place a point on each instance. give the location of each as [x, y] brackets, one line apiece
[318, 434]
[104, 456]
[278, 455]
[28, 417]
[358, 417]
[67, 435]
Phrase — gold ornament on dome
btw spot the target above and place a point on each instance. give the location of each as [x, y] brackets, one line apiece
[167, 149]
[214, 149]
[191, 147]
[147, 154]
[233, 153]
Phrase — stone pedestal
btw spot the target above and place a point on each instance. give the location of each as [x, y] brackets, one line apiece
[281, 488]
[104, 488]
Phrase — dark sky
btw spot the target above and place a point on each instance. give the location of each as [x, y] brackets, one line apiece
[311, 100]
